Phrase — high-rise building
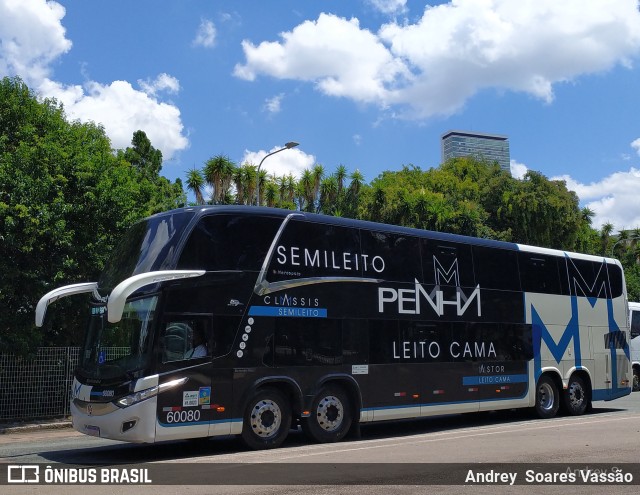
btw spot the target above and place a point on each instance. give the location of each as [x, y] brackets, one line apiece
[490, 147]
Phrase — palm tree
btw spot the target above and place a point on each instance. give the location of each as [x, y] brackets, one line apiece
[195, 183]
[587, 215]
[305, 191]
[318, 174]
[218, 172]
[261, 178]
[249, 181]
[282, 188]
[292, 186]
[226, 178]
[351, 201]
[357, 180]
[271, 194]
[328, 195]
[237, 180]
[341, 175]
[605, 237]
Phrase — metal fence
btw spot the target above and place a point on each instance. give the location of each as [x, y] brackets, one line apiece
[39, 387]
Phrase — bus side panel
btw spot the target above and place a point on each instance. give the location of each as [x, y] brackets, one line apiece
[184, 411]
[575, 333]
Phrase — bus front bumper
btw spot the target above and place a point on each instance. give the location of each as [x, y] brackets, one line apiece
[135, 423]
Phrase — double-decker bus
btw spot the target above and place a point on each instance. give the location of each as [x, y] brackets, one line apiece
[331, 323]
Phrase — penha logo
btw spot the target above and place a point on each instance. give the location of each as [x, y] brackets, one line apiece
[408, 301]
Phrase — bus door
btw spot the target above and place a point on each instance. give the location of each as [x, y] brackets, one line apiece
[634, 320]
[185, 354]
[395, 371]
[449, 377]
[612, 363]
[634, 344]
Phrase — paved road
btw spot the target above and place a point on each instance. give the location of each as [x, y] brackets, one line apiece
[611, 434]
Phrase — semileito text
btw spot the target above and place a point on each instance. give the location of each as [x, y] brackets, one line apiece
[334, 260]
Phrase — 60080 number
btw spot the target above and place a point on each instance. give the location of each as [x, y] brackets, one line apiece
[183, 416]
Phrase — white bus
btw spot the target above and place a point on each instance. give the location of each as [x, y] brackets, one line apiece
[634, 324]
[328, 323]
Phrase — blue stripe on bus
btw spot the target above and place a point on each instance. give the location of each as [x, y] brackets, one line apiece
[494, 379]
[481, 401]
[288, 312]
[196, 423]
[608, 394]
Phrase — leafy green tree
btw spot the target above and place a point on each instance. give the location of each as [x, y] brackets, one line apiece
[65, 199]
[143, 156]
[541, 212]
[472, 197]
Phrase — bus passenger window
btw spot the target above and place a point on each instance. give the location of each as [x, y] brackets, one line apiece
[635, 324]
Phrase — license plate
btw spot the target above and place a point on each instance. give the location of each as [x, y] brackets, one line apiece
[94, 431]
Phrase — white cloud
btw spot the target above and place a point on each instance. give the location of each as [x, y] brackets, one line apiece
[272, 105]
[357, 139]
[614, 199]
[340, 57]
[453, 51]
[389, 6]
[636, 145]
[32, 38]
[293, 161]
[122, 110]
[164, 82]
[206, 34]
[518, 169]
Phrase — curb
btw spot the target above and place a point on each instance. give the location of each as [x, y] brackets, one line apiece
[58, 425]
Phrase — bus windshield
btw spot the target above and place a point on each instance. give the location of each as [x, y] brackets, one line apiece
[147, 246]
[118, 350]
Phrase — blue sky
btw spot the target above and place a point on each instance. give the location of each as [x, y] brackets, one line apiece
[370, 84]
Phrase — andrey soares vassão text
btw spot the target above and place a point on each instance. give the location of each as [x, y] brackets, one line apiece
[577, 476]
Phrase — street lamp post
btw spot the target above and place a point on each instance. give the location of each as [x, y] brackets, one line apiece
[287, 146]
[634, 237]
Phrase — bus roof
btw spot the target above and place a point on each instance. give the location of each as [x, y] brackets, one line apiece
[204, 210]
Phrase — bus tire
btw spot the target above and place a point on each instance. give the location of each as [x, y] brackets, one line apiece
[636, 380]
[576, 397]
[547, 397]
[267, 419]
[330, 417]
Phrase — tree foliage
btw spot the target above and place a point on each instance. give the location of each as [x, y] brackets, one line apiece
[471, 197]
[65, 199]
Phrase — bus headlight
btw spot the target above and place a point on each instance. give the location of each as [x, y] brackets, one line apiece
[141, 395]
[136, 397]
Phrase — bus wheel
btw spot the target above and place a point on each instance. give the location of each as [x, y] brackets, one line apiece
[547, 396]
[576, 397]
[330, 417]
[636, 380]
[266, 420]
